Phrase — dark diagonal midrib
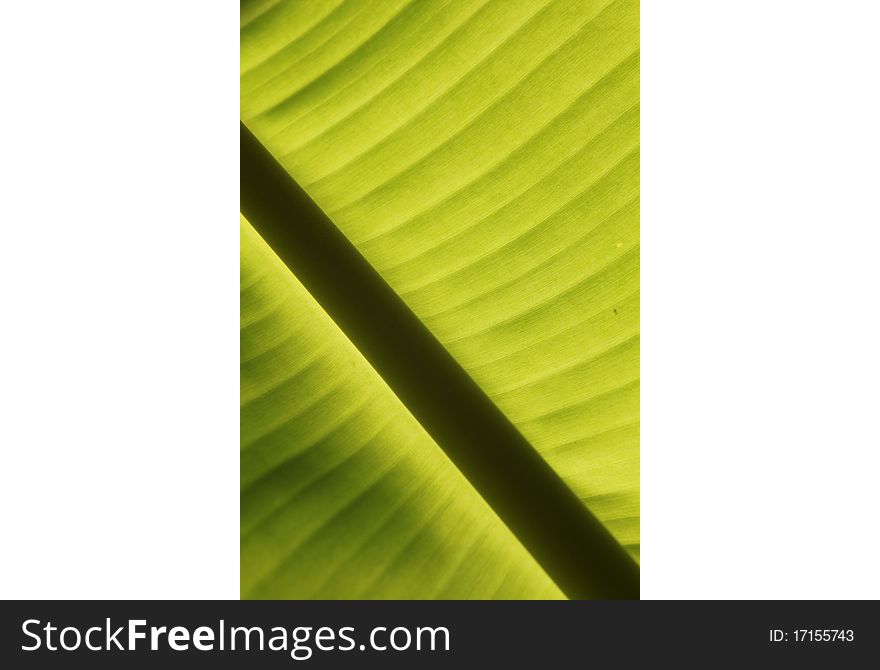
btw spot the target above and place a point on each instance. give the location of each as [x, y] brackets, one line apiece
[574, 548]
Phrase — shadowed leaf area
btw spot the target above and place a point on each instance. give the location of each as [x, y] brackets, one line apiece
[343, 493]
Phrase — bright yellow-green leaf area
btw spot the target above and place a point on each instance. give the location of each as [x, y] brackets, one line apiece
[484, 157]
[343, 494]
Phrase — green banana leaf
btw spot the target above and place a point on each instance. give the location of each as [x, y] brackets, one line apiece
[483, 157]
[343, 493]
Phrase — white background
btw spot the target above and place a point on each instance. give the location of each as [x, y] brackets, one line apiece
[761, 299]
[119, 279]
[119, 273]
